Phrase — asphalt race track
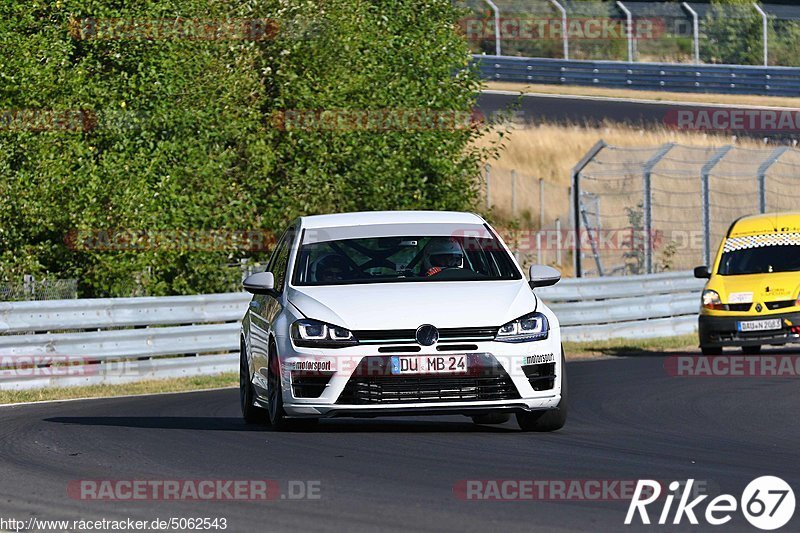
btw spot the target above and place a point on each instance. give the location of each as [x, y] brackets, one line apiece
[629, 419]
[593, 111]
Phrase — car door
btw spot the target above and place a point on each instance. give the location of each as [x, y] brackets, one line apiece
[264, 308]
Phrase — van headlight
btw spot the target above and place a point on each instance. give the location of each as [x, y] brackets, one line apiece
[531, 327]
[315, 334]
[711, 300]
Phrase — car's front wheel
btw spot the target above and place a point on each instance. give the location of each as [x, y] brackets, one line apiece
[250, 412]
[277, 414]
[552, 419]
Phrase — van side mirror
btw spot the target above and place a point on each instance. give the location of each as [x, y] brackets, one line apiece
[259, 283]
[702, 272]
[543, 276]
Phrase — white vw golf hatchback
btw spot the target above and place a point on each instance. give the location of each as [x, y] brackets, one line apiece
[399, 313]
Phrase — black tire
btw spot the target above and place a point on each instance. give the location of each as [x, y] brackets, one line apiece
[276, 414]
[751, 350]
[553, 419]
[492, 418]
[251, 413]
[711, 350]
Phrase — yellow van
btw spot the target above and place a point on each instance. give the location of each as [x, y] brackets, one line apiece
[752, 296]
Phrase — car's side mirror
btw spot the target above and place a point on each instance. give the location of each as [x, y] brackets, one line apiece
[702, 272]
[259, 283]
[543, 276]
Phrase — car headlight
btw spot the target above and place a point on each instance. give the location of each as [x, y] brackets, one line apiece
[315, 334]
[532, 327]
[711, 300]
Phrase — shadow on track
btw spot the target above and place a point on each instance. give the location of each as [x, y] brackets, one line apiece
[200, 423]
[207, 423]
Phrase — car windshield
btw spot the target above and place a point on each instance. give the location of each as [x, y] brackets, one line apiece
[761, 260]
[403, 258]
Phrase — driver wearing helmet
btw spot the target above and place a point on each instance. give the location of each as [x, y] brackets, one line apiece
[442, 254]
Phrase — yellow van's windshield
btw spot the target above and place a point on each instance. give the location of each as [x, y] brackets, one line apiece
[760, 260]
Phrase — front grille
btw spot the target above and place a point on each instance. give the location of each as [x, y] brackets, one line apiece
[782, 304]
[739, 307]
[372, 383]
[403, 336]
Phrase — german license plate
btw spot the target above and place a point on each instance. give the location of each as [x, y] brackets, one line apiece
[429, 364]
[760, 325]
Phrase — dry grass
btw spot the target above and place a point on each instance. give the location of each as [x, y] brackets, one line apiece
[551, 151]
[108, 391]
[733, 99]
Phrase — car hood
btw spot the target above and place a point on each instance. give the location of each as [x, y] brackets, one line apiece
[771, 287]
[408, 305]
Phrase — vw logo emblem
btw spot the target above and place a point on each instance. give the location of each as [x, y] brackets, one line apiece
[427, 335]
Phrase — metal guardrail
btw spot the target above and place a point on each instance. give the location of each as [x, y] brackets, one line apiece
[634, 307]
[85, 342]
[726, 79]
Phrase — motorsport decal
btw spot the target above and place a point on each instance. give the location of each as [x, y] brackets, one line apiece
[538, 359]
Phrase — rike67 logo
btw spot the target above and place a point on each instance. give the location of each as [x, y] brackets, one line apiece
[767, 503]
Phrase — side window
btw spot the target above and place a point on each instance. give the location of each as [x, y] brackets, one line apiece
[280, 260]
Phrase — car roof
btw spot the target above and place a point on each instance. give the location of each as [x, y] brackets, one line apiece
[788, 222]
[370, 218]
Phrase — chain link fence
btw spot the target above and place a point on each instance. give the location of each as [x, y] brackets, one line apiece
[33, 289]
[646, 210]
[682, 32]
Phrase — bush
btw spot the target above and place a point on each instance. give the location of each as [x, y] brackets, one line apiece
[179, 136]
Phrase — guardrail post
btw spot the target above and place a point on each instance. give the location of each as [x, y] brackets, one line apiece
[695, 32]
[629, 27]
[762, 176]
[765, 26]
[565, 34]
[576, 201]
[647, 205]
[497, 50]
[705, 173]
[559, 240]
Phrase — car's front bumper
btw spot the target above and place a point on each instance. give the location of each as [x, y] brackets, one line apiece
[721, 331]
[500, 379]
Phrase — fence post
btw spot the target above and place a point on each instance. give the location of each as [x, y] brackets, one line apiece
[647, 205]
[762, 177]
[695, 32]
[559, 241]
[576, 201]
[497, 50]
[565, 34]
[539, 247]
[629, 27]
[513, 193]
[541, 203]
[765, 26]
[704, 176]
[488, 174]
